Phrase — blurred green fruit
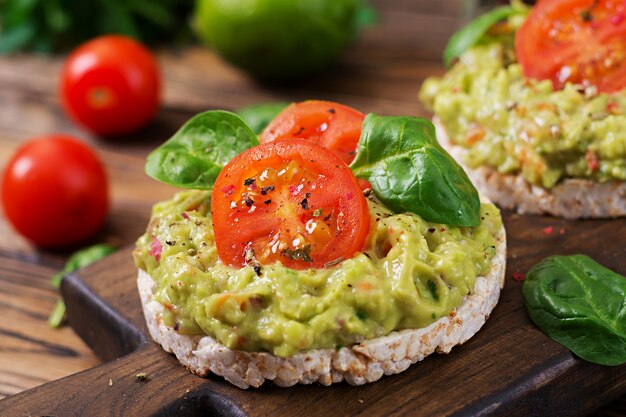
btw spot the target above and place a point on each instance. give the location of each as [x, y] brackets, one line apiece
[278, 39]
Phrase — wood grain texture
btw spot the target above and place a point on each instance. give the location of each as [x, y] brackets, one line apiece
[30, 351]
[381, 72]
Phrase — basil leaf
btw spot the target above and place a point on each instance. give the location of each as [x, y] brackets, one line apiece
[259, 116]
[579, 304]
[470, 34]
[410, 171]
[82, 258]
[196, 154]
[78, 260]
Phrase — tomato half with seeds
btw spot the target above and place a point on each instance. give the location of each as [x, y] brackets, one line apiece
[576, 41]
[332, 125]
[291, 201]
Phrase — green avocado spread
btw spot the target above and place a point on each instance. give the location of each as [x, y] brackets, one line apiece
[410, 273]
[522, 126]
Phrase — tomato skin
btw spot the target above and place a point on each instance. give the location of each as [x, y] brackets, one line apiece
[55, 191]
[332, 125]
[576, 41]
[279, 198]
[111, 85]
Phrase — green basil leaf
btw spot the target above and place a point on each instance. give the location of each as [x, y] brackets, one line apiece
[470, 34]
[579, 304]
[258, 116]
[410, 171]
[79, 259]
[196, 154]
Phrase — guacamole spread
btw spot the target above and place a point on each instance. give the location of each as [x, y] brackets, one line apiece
[523, 126]
[410, 273]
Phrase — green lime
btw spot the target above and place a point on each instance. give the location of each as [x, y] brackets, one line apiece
[278, 39]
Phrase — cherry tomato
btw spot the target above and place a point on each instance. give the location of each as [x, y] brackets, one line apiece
[332, 125]
[577, 41]
[291, 201]
[54, 191]
[111, 85]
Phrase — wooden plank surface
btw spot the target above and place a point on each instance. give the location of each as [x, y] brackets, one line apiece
[381, 72]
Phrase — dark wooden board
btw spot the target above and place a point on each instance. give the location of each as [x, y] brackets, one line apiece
[508, 368]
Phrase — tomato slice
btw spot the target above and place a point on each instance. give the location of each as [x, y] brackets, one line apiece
[332, 125]
[577, 41]
[291, 201]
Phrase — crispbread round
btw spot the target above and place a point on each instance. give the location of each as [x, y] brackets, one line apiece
[358, 364]
[572, 198]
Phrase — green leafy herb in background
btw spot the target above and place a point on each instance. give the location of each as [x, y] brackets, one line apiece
[258, 116]
[410, 172]
[53, 25]
[196, 154]
[470, 34]
[581, 305]
[79, 259]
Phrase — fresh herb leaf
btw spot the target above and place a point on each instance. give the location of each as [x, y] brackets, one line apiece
[470, 34]
[410, 171]
[300, 254]
[196, 154]
[258, 116]
[54, 25]
[79, 259]
[579, 304]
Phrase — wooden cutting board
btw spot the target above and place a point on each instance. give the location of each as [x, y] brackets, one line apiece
[509, 367]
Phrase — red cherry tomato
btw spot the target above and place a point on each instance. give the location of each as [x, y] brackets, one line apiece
[291, 201]
[54, 191]
[577, 41]
[332, 125]
[111, 85]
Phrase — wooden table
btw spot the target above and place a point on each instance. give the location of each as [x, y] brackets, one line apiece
[381, 72]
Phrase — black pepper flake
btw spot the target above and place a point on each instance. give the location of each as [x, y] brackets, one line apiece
[305, 203]
[248, 181]
[265, 190]
[268, 201]
[432, 230]
[248, 201]
[299, 131]
[257, 270]
[331, 111]
[170, 242]
[176, 326]
[327, 218]
[586, 14]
